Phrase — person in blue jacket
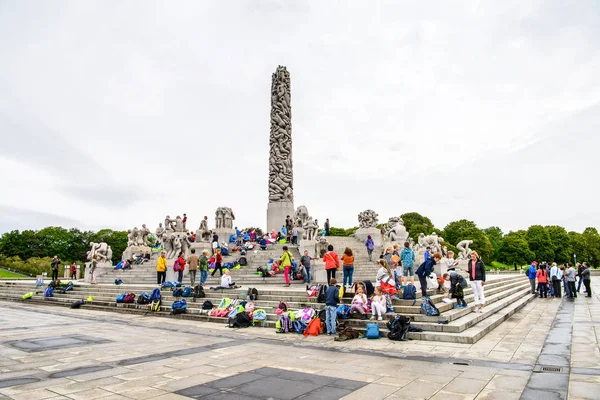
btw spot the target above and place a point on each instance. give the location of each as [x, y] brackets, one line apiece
[425, 270]
[531, 274]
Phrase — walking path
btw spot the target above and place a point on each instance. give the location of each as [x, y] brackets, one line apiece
[48, 352]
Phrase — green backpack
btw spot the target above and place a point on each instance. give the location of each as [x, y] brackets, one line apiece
[27, 295]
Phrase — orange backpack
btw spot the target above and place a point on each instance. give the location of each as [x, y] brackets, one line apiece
[313, 328]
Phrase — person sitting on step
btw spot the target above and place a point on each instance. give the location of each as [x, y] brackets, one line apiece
[226, 282]
[377, 304]
[359, 303]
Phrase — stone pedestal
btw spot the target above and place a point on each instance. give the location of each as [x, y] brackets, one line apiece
[78, 272]
[276, 213]
[363, 233]
[307, 245]
[101, 269]
[200, 246]
[441, 268]
[224, 234]
[318, 273]
[132, 251]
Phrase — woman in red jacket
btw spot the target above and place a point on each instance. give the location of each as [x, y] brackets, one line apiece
[542, 278]
[332, 262]
[181, 265]
[218, 263]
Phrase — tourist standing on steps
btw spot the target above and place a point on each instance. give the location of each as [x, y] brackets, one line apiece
[161, 268]
[295, 235]
[542, 278]
[370, 247]
[184, 221]
[193, 266]
[332, 262]
[218, 263]
[586, 275]
[476, 271]
[286, 263]
[215, 244]
[181, 263]
[556, 277]
[531, 274]
[203, 266]
[424, 271]
[305, 261]
[407, 256]
[348, 263]
[54, 265]
[570, 276]
[332, 299]
[326, 226]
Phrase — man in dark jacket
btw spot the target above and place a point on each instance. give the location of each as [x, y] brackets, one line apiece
[332, 299]
[580, 269]
[425, 270]
[457, 285]
[54, 265]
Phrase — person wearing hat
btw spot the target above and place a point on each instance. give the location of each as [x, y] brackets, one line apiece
[531, 274]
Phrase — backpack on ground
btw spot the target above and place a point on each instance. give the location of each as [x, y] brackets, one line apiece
[259, 315]
[343, 311]
[252, 294]
[27, 295]
[177, 292]
[129, 298]
[282, 308]
[398, 327]
[409, 293]
[284, 324]
[187, 292]
[77, 304]
[321, 294]
[143, 298]
[342, 291]
[155, 305]
[235, 311]
[372, 331]
[300, 326]
[207, 305]
[224, 304]
[49, 292]
[155, 295]
[313, 328]
[198, 292]
[241, 320]
[118, 282]
[429, 308]
[242, 261]
[306, 314]
[322, 314]
[121, 298]
[178, 307]
[249, 307]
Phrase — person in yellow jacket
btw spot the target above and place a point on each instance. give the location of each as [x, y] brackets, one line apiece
[161, 268]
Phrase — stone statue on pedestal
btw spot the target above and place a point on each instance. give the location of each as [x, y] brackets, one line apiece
[310, 229]
[321, 247]
[397, 232]
[464, 250]
[367, 219]
[159, 231]
[169, 224]
[143, 236]
[219, 218]
[131, 238]
[101, 252]
[434, 241]
[203, 233]
[228, 217]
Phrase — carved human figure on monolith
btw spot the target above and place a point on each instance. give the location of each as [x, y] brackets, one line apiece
[219, 218]
[310, 229]
[100, 251]
[367, 219]
[159, 231]
[169, 224]
[203, 233]
[464, 250]
[228, 217]
[143, 236]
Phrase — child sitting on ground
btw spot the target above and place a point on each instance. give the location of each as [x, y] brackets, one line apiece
[359, 302]
[226, 282]
[378, 304]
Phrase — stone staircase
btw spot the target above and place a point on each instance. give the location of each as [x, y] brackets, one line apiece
[505, 294]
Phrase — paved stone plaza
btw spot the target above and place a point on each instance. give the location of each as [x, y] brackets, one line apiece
[58, 353]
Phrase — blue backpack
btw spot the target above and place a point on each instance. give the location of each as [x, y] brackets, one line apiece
[187, 292]
[372, 331]
[232, 239]
[118, 282]
[155, 295]
[143, 298]
[343, 311]
[429, 308]
[410, 292]
[227, 266]
[49, 292]
[178, 307]
[121, 298]
[300, 326]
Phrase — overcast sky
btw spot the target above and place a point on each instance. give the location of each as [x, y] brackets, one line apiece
[116, 113]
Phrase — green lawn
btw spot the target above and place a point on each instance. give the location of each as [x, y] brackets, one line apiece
[8, 274]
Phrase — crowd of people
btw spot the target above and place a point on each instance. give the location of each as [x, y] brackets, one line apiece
[548, 280]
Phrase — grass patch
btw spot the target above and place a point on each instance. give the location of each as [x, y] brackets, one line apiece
[9, 274]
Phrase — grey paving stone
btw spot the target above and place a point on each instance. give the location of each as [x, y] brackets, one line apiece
[347, 384]
[278, 388]
[197, 392]
[326, 393]
[548, 382]
[304, 377]
[17, 381]
[236, 380]
[79, 371]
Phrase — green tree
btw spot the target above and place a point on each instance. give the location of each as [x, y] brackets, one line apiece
[54, 240]
[540, 243]
[561, 243]
[515, 249]
[416, 224]
[12, 244]
[592, 241]
[117, 240]
[464, 229]
[579, 248]
[495, 235]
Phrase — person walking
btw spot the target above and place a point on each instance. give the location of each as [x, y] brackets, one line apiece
[556, 278]
[161, 268]
[305, 261]
[326, 226]
[180, 266]
[476, 271]
[542, 278]
[586, 275]
[407, 256]
[370, 244]
[218, 263]
[348, 263]
[425, 270]
[332, 262]
[54, 265]
[203, 266]
[531, 274]
[332, 299]
[286, 263]
[570, 276]
[193, 266]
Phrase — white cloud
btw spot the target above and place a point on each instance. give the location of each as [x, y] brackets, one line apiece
[116, 114]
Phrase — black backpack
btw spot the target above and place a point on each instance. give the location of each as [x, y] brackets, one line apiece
[398, 327]
[199, 292]
[241, 320]
[321, 295]
[252, 294]
[322, 315]
[177, 292]
[77, 304]
[207, 305]
[243, 262]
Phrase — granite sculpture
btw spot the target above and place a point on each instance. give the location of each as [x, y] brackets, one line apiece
[367, 219]
[101, 252]
[142, 239]
[224, 218]
[301, 216]
[321, 247]
[203, 234]
[159, 231]
[434, 241]
[310, 229]
[169, 224]
[464, 250]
